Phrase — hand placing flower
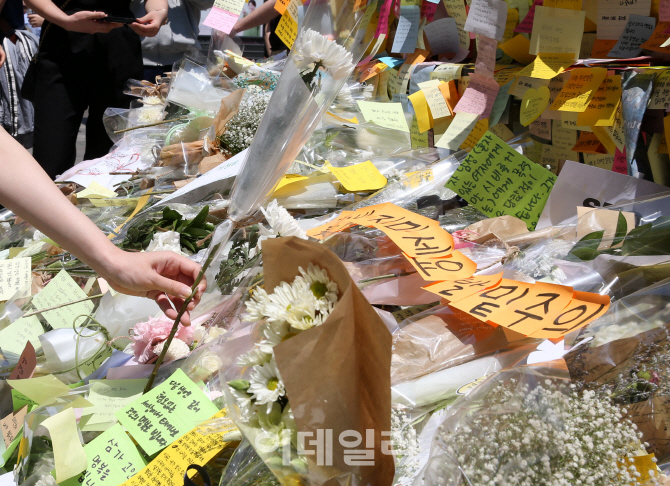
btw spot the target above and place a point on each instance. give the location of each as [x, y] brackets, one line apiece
[150, 24]
[162, 275]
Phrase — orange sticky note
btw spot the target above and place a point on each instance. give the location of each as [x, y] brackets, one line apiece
[455, 266]
[604, 103]
[585, 307]
[492, 303]
[602, 47]
[658, 37]
[450, 93]
[536, 309]
[455, 290]
[518, 48]
[282, 5]
[589, 143]
[434, 243]
[580, 88]
[342, 222]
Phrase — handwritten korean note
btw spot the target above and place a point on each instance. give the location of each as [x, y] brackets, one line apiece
[637, 32]
[14, 276]
[388, 115]
[479, 96]
[598, 160]
[168, 468]
[435, 99]
[287, 28]
[613, 16]
[458, 131]
[418, 139]
[167, 412]
[660, 96]
[547, 66]
[69, 455]
[14, 337]
[658, 40]
[456, 10]
[62, 289]
[221, 19]
[557, 30]
[487, 17]
[577, 92]
[486, 56]
[498, 180]
[408, 29]
[108, 397]
[447, 72]
[442, 35]
[526, 25]
[11, 425]
[602, 107]
[25, 367]
[112, 458]
[541, 128]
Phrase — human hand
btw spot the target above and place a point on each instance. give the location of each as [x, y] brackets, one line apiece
[2, 56]
[35, 20]
[87, 22]
[153, 275]
[150, 24]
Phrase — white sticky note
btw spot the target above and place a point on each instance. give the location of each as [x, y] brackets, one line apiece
[442, 35]
[14, 276]
[388, 115]
[458, 131]
[613, 16]
[487, 17]
[407, 32]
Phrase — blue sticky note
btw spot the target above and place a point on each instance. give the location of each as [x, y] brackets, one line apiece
[391, 61]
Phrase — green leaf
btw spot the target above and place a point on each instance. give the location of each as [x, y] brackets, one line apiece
[185, 242]
[200, 219]
[587, 248]
[171, 214]
[648, 239]
[621, 226]
[196, 232]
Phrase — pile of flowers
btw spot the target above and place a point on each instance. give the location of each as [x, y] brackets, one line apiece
[149, 338]
[548, 434]
[289, 310]
[240, 130]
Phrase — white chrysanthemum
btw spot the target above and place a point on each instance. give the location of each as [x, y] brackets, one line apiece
[275, 333]
[178, 349]
[284, 299]
[266, 384]
[316, 279]
[312, 47]
[307, 316]
[281, 222]
[243, 401]
[166, 241]
[254, 357]
[257, 306]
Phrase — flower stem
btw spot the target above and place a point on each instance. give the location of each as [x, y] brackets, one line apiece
[175, 325]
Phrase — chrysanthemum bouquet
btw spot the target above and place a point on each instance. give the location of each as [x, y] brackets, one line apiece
[314, 363]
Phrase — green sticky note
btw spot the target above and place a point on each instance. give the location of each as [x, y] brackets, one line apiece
[14, 337]
[108, 397]
[69, 455]
[112, 458]
[41, 389]
[8, 451]
[61, 290]
[498, 180]
[19, 400]
[167, 412]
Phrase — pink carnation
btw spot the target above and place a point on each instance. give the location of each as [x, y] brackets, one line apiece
[148, 334]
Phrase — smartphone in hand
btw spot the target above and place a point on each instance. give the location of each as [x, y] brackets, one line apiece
[117, 20]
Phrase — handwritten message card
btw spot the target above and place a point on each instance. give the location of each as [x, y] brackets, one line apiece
[498, 180]
[112, 458]
[61, 290]
[108, 397]
[167, 412]
[388, 115]
[14, 276]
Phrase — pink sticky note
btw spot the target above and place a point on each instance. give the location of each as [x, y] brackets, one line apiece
[364, 61]
[620, 165]
[486, 56]
[383, 24]
[526, 25]
[664, 11]
[428, 10]
[221, 20]
[479, 96]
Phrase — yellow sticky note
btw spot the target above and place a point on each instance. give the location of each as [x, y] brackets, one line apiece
[533, 103]
[289, 179]
[342, 119]
[547, 65]
[69, 454]
[605, 161]
[191, 448]
[95, 190]
[557, 30]
[603, 105]
[605, 139]
[417, 138]
[388, 115]
[458, 130]
[104, 202]
[421, 113]
[502, 132]
[666, 127]
[660, 96]
[287, 28]
[42, 389]
[580, 88]
[518, 48]
[140, 204]
[510, 24]
[447, 72]
[569, 4]
[435, 99]
[477, 132]
[359, 177]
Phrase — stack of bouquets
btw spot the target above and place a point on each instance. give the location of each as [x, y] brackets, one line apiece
[309, 380]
